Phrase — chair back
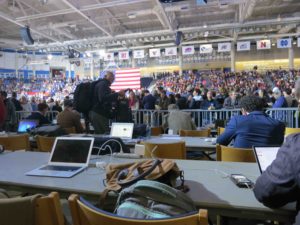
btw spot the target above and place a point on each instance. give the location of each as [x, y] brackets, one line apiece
[230, 154]
[85, 214]
[36, 210]
[156, 131]
[174, 150]
[44, 144]
[220, 130]
[195, 133]
[15, 142]
[290, 130]
[70, 130]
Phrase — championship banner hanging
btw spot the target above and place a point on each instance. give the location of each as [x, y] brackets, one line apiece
[243, 46]
[171, 51]
[188, 50]
[224, 47]
[109, 56]
[284, 43]
[205, 49]
[154, 52]
[263, 44]
[123, 55]
[138, 54]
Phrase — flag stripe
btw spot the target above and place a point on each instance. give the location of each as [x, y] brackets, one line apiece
[127, 78]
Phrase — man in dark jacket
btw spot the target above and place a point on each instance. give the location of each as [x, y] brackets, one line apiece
[103, 99]
[40, 115]
[280, 182]
[149, 100]
[253, 128]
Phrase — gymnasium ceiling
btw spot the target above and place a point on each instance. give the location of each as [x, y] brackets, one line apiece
[132, 24]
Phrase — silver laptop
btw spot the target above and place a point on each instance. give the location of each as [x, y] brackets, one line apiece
[122, 130]
[69, 156]
[265, 156]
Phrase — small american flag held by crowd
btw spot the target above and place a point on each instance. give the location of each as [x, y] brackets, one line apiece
[127, 78]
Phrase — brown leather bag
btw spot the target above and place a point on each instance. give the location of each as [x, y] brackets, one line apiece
[119, 176]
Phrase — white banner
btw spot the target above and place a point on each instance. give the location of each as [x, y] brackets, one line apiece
[284, 43]
[138, 54]
[170, 51]
[204, 49]
[263, 44]
[243, 46]
[188, 50]
[298, 41]
[123, 55]
[109, 56]
[224, 47]
[154, 52]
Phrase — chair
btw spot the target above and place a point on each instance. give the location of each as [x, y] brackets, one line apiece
[44, 144]
[35, 209]
[16, 142]
[85, 214]
[70, 130]
[165, 150]
[290, 130]
[230, 154]
[156, 131]
[220, 130]
[195, 133]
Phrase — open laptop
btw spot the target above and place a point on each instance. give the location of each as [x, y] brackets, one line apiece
[122, 130]
[69, 156]
[26, 125]
[265, 156]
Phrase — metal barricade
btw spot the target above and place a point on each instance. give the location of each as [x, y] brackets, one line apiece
[290, 116]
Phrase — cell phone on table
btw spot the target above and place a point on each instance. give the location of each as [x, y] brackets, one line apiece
[241, 181]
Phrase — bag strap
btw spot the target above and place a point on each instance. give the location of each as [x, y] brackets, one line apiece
[122, 175]
[157, 186]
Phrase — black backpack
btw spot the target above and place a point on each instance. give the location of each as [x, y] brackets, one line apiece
[84, 95]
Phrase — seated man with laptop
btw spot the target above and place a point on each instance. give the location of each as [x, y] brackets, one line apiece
[253, 128]
[279, 184]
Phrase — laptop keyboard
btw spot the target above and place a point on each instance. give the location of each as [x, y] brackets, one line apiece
[61, 168]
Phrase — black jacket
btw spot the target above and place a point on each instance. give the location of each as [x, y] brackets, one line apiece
[104, 98]
[279, 184]
[38, 116]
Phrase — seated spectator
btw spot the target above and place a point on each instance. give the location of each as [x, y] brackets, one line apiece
[253, 128]
[195, 100]
[40, 115]
[177, 120]
[280, 182]
[232, 101]
[181, 102]
[69, 118]
[210, 103]
[291, 102]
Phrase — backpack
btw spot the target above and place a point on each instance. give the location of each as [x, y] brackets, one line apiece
[149, 199]
[84, 96]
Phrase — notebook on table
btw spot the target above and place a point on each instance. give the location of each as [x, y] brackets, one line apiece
[69, 156]
[26, 125]
[265, 156]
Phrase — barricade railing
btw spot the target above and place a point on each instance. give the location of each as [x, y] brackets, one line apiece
[290, 116]
[50, 115]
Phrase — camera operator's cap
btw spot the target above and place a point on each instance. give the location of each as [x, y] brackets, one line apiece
[276, 90]
[68, 103]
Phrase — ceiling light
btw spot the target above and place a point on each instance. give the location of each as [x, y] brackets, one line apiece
[49, 56]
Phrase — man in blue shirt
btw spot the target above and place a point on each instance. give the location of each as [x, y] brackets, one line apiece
[253, 128]
[280, 182]
[149, 100]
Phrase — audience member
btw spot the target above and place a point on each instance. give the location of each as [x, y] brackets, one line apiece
[148, 101]
[40, 115]
[253, 128]
[16, 101]
[10, 123]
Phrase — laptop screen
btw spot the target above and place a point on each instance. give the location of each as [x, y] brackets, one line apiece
[71, 150]
[265, 156]
[122, 130]
[25, 125]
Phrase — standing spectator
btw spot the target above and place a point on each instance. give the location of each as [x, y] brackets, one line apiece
[209, 103]
[195, 100]
[123, 111]
[103, 99]
[10, 123]
[2, 112]
[280, 101]
[232, 101]
[291, 102]
[26, 107]
[163, 101]
[148, 100]
[181, 101]
[33, 104]
[133, 101]
[57, 107]
[16, 102]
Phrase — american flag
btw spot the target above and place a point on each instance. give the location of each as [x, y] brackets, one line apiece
[127, 78]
